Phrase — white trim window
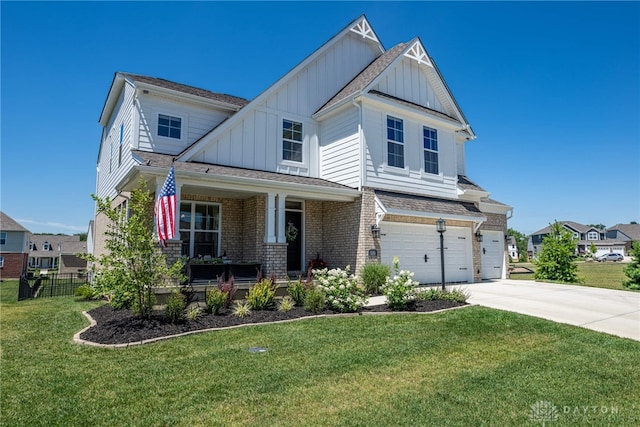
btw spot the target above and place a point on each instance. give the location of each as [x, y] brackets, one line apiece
[292, 141]
[1, 261]
[395, 142]
[46, 246]
[31, 246]
[120, 145]
[169, 126]
[592, 235]
[430, 145]
[3, 238]
[200, 229]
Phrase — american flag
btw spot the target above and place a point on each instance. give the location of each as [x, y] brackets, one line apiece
[166, 208]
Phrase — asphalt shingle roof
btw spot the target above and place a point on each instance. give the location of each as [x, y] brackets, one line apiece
[191, 90]
[164, 161]
[9, 224]
[413, 202]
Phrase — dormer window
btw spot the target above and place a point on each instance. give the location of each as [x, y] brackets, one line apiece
[169, 126]
[291, 141]
[395, 142]
[593, 235]
[46, 246]
[31, 246]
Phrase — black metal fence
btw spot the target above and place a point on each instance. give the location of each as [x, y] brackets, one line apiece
[50, 285]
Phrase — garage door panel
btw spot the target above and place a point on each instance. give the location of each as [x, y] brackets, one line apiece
[412, 242]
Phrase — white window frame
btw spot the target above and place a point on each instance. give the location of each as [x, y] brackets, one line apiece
[31, 245]
[192, 230]
[3, 238]
[170, 116]
[393, 141]
[1, 261]
[592, 235]
[120, 144]
[430, 150]
[46, 246]
[293, 141]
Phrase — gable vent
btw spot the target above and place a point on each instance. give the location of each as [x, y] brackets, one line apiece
[364, 29]
[418, 53]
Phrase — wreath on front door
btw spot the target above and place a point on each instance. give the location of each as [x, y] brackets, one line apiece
[291, 232]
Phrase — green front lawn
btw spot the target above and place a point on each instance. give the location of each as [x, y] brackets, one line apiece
[596, 274]
[471, 366]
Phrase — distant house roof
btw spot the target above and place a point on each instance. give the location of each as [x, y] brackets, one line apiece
[402, 203]
[191, 90]
[9, 224]
[580, 228]
[72, 261]
[58, 244]
[630, 230]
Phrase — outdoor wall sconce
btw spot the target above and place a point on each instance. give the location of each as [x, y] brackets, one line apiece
[375, 231]
[478, 236]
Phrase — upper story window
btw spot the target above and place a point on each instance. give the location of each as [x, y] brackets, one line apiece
[592, 235]
[3, 238]
[291, 141]
[31, 246]
[120, 145]
[46, 246]
[430, 144]
[395, 142]
[169, 126]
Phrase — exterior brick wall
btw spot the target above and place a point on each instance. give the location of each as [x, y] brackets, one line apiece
[314, 230]
[340, 233]
[274, 260]
[14, 265]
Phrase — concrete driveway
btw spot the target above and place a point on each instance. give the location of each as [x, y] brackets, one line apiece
[602, 310]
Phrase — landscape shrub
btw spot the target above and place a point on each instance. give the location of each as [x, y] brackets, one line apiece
[242, 309]
[374, 276]
[176, 304]
[229, 288]
[297, 290]
[314, 301]
[453, 295]
[430, 294]
[286, 304]
[555, 261]
[401, 289]
[194, 313]
[262, 295]
[87, 292]
[215, 300]
[632, 270]
[342, 291]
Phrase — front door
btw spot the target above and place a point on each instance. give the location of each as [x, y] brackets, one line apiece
[293, 233]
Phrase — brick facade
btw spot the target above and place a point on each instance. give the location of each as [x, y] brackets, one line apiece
[15, 264]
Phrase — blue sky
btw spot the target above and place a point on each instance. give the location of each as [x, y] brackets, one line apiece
[551, 89]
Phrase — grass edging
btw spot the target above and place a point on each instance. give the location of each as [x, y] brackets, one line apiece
[80, 341]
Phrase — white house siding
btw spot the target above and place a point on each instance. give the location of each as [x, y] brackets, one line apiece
[340, 149]
[197, 120]
[411, 179]
[255, 139]
[409, 82]
[109, 175]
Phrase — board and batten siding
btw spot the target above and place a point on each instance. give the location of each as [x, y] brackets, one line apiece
[254, 141]
[196, 121]
[109, 175]
[412, 178]
[340, 149]
[407, 81]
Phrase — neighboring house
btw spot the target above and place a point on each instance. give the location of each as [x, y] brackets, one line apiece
[351, 156]
[627, 233]
[585, 236]
[57, 252]
[512, 248]
[14, 239]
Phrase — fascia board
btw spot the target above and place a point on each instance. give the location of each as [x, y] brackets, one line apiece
[493, 208]
[112, 98]
[414, 112]
[195, 149]
[186, 96]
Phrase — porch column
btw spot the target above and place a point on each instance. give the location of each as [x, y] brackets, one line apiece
[270, 222]
[281, 218]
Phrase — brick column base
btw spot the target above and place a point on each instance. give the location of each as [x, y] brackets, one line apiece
[173, 251]
[274, 260]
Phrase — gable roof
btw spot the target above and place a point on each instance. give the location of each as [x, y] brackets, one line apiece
[9, 224]
[68, 245]
[630, 230]
[579, 228]
[358, 26]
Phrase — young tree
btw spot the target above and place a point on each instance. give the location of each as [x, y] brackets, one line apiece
[132, 264]
[555, 261]
[521, 243]
[632, 270]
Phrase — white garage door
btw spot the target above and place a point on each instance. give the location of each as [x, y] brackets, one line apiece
[418, 247]
[492, 254]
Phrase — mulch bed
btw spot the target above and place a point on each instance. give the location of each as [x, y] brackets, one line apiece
[122, 327]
